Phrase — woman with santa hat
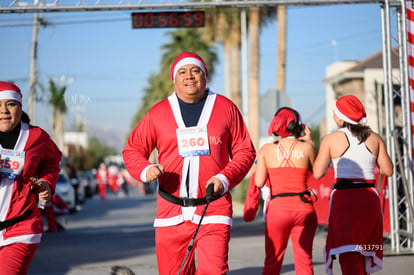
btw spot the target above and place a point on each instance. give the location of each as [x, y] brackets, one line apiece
[284, 165]
[355, 215]
[201, 140]
[27, 152]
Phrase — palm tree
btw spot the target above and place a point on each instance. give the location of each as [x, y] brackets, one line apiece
[254, 39]
[57, 101]
[223, 26]
[257, 18]
[281, 53]
[234, 44]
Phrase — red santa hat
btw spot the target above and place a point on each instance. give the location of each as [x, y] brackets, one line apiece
[280, 123]
[10, 91]
[350, 109]
[186, 58]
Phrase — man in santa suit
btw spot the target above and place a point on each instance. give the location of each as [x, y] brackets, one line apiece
[201, 139]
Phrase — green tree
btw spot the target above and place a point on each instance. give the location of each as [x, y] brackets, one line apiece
[316, 135]
[58, 104]
[95, 154]
[86, 159]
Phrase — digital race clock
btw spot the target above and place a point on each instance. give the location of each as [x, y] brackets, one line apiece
[170, 19]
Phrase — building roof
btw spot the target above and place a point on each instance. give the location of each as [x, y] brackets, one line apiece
[371, 62]
[374, 61]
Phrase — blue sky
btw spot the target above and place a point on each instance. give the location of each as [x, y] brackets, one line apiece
[107, 63]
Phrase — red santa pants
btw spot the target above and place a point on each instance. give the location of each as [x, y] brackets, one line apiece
[211, 243]
[102, 190]
[301, 227]
[112, 183]
[16, 258]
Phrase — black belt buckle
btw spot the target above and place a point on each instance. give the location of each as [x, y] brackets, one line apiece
[187, 202]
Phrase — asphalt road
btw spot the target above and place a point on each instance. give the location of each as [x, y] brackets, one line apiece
[119, 232]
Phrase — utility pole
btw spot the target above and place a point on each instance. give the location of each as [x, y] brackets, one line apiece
[33, 76]
[281, 53]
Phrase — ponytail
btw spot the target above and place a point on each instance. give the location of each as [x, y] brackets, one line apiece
[25, 117]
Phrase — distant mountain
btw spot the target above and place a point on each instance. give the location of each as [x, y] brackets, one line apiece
[109, 136]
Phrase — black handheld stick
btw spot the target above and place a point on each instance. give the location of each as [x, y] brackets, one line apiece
[209, 198]
[210, 193]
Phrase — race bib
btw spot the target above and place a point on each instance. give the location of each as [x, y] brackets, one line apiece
[11, 163]
[193, 141]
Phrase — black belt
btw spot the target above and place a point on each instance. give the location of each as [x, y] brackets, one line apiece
[186, 202]
[300, 194]
[349, 184]
[13, 221]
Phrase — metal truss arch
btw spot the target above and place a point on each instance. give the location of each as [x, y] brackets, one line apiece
[399, 137]
[394, 31]
[39, 6]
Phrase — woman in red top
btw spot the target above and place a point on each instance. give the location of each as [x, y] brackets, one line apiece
[26, 151]
[286, 163]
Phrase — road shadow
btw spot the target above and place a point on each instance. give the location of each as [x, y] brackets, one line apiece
[104, 231]
[242, 229]
[246, 271]
[286, 268]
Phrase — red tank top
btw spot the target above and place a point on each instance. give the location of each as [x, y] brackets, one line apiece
[288, 179]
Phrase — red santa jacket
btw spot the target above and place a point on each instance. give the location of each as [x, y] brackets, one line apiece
[251, 203]
[102, 176]
[230, 158]
[41, 160]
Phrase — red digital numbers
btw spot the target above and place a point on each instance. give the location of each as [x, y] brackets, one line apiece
[199, 19]
[173, 19]
[192, 142]
[186, 19]
[163, 21]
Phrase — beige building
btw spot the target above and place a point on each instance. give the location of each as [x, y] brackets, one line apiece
[364, 79]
